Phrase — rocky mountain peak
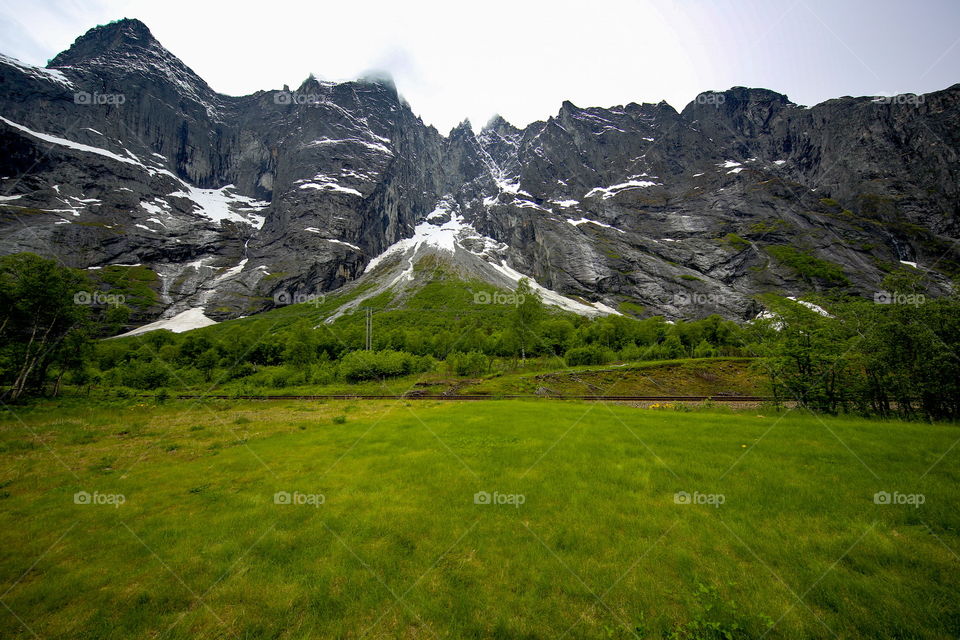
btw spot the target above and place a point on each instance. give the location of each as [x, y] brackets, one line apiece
[462, 130]
[497, 124]
[127, 34]
[380, 78]
[309, 84]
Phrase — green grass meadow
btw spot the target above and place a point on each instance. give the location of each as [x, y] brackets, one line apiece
[383, 535]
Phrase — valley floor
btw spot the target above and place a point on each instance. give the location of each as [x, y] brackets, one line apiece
[501, 519]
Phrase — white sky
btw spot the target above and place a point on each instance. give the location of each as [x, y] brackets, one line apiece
[452, 60]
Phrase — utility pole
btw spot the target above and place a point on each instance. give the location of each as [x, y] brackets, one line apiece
[369, 311]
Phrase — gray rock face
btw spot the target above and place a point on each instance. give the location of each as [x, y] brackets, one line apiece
[117, 153]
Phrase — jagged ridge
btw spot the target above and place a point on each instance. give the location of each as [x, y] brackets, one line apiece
[232, 200]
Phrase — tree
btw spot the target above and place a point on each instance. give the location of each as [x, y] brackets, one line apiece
[556, 334]
[41, 305]
[527, 316]
[301, 349]
[206, 362]
[191, 348]
[810, 357]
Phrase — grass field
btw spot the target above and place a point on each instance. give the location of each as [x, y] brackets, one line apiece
[179, 533]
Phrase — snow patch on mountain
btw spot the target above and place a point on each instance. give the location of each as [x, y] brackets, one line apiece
[323, 182]
[183, 321]
[39, 73]
[224, 204]
[215, 204]
[552, 297]
[581, 221]
[612, 190]
[458, 237]
[427, 234]
[333, 240]
[70, 144]
[373, 146]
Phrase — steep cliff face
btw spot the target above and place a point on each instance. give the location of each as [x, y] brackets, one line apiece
[117, 153]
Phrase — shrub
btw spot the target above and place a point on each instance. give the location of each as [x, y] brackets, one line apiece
[242, 370]
[357, 366]
[705, 350]
[735, 242]
[806, 265]
[146, 375]
[468, 364]
[591, 355]
[632, 352]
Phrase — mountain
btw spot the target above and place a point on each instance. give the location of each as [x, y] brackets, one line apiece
[117, 153]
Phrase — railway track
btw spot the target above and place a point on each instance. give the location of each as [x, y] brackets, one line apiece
[414, 396]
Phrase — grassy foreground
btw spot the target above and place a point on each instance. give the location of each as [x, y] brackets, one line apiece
[383, 535]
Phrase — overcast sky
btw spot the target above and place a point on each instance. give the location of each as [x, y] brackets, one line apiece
[454, 60]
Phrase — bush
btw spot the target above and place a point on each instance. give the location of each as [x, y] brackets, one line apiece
[324, 375]
[591, 355]
[632, 352]
[808, 266]
[241, 370]
[357, 366]
[468, 364]
[705, 350]
[146, 375]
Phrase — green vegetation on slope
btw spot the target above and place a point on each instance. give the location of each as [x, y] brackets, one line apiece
[808, 266]
[860, 356]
